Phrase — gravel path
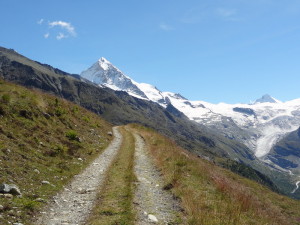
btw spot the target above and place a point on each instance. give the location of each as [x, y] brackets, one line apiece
[153, 204]
[72, 206]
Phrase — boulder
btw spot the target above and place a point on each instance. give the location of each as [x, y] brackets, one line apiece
[10, 189]
[152, 218]
[45, 182]
[4, 188]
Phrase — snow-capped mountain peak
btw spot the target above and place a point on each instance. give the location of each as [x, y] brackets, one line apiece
[104, 73]
[104, 63]
[266, 99]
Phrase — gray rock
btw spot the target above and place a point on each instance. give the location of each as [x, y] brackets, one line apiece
[10, 189]
[1, 208]
[40, 200]
[14, 190]
[45, 182]
[4, 188]
[8, 196]
[110, 133]
[47, 116]
[152, 218]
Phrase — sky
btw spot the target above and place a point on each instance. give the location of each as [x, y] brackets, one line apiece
[231, 51]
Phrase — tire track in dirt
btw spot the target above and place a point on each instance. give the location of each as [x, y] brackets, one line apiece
[152, 203]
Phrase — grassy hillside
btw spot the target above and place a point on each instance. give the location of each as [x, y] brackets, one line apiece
[42, 138]
[212, 195]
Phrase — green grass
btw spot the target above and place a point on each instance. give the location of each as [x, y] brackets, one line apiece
[211, 195]
[42, 139]
[114, 203]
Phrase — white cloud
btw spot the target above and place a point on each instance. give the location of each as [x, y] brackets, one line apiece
[165, 27]
[40, 21]
[46, 35]
[61, 36]
[64, 25]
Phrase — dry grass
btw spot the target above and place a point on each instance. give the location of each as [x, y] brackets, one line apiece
[115, 199]
[35, 145]
[213, 195]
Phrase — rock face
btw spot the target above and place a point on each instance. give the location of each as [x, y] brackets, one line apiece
[10, 189]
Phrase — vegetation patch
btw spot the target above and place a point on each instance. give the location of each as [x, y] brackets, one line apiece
[115, 199]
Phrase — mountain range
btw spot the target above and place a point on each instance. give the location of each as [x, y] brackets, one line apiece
[262, 125]
[227, 135]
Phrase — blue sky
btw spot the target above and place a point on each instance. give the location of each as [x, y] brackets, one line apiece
[218, 51]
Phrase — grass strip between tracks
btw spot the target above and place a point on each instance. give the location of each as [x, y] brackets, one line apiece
[114, 202]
